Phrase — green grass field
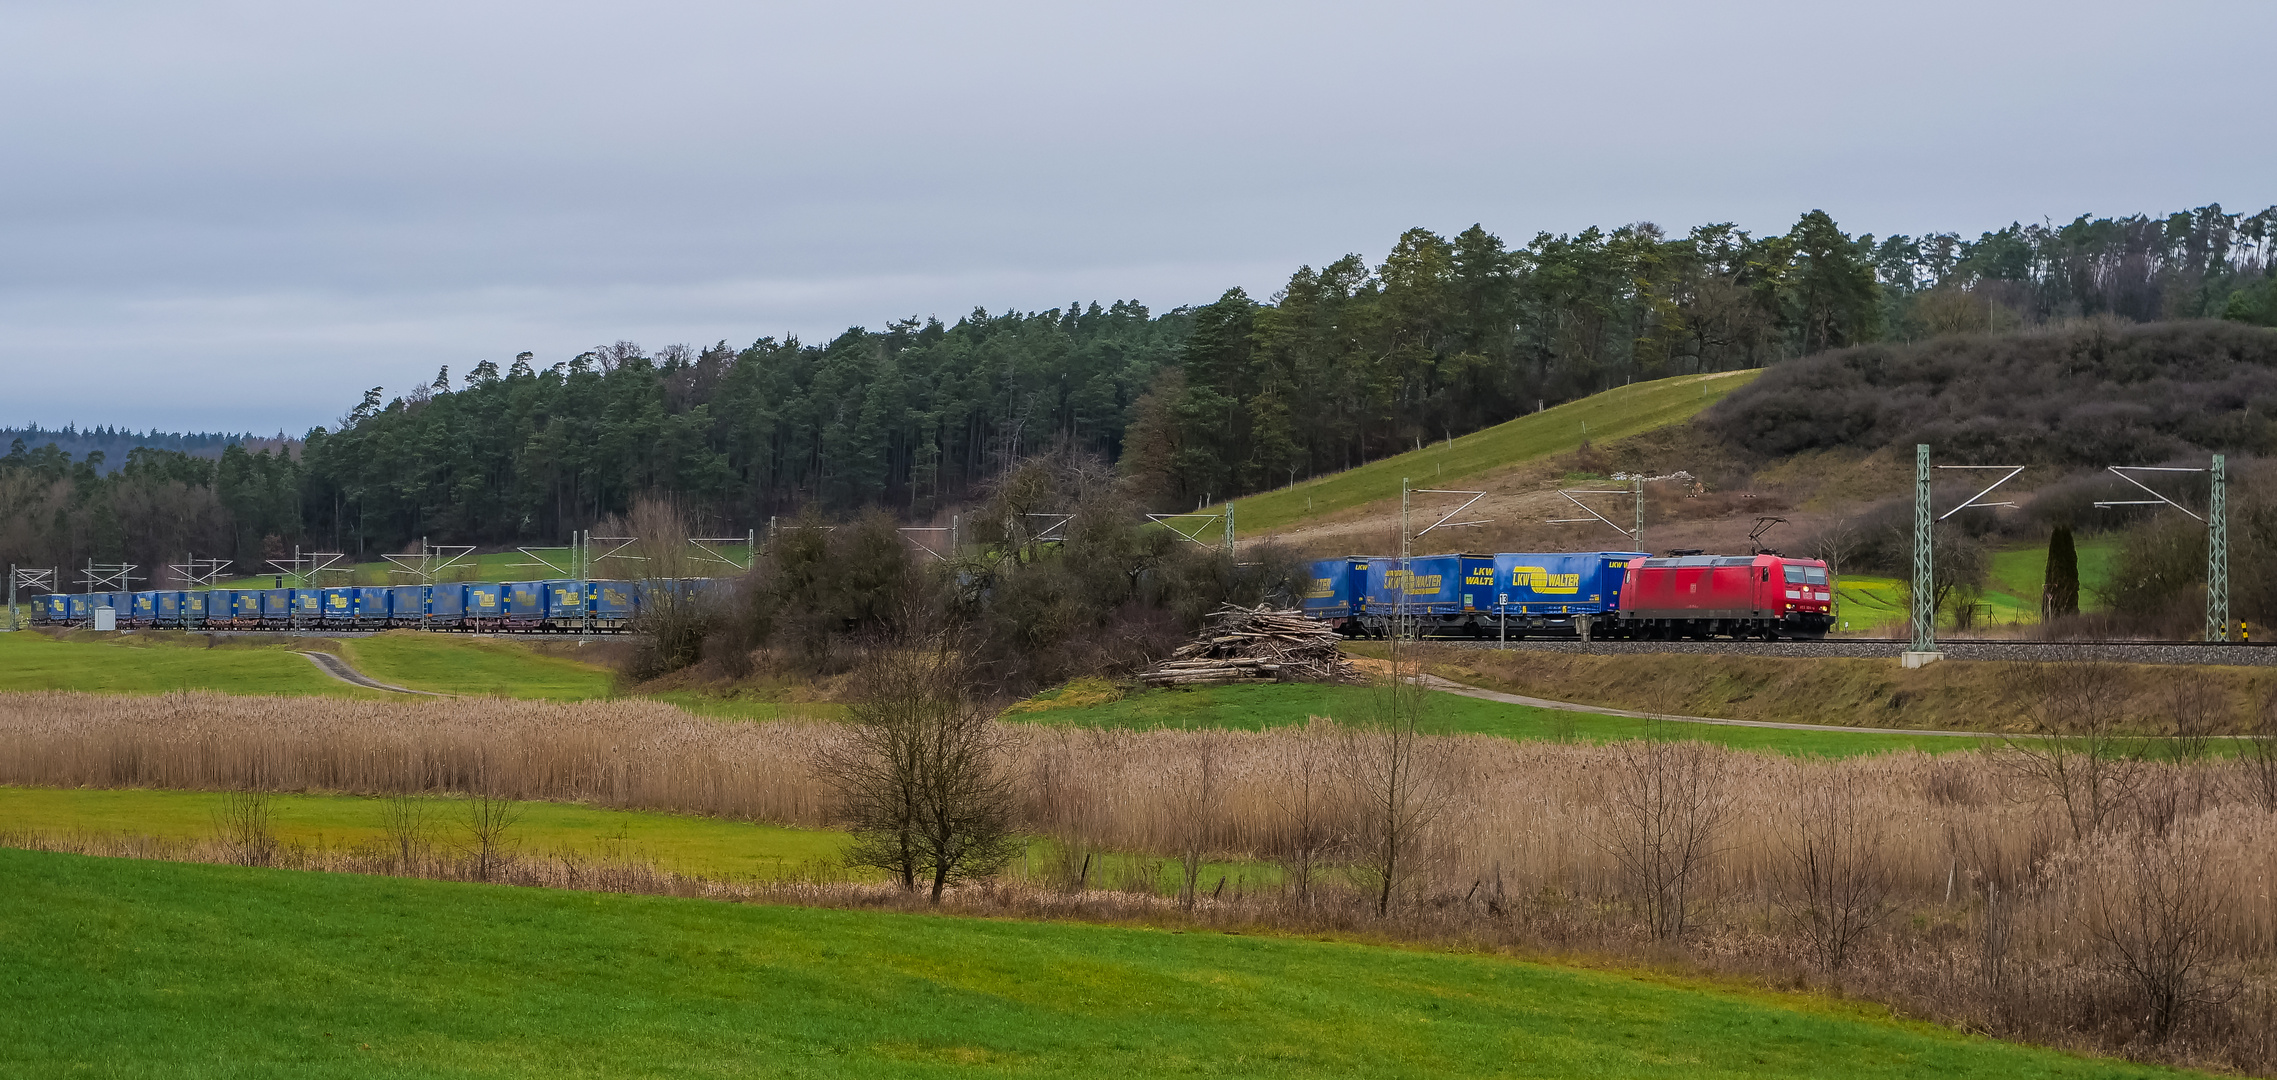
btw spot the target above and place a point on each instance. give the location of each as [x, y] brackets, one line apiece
[710, 847]
[125, 968]
[142, 664]
[1614, 414]
[2020, 572]
[2012, 588]
[1258, 707]
[679, 843]
[462, 665]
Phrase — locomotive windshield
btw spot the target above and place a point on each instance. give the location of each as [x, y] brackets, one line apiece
[1801, 575]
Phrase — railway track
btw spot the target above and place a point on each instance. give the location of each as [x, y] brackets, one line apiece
[2128, 652]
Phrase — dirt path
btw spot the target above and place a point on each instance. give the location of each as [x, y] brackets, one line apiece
[339, 669]
[1437, 683]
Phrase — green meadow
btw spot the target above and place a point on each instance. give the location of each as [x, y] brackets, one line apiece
[1261, 706]
[1614, 414]
[455, 664]
[125, 968]
[158, 664]
[682, 844]
[678, 843]
[2012, 588]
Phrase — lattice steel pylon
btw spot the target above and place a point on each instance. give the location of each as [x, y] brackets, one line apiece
[1924, 588]
[1399, 606]
[2218, 557]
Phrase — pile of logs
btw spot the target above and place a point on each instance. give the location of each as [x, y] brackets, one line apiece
[1260, 644]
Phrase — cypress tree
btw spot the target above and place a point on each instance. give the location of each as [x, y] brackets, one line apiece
[2059, 594]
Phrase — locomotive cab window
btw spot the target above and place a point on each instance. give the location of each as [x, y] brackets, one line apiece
[1795, 574]
[1816, 575]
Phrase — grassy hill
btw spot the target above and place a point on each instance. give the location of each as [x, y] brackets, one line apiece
[155, 664]
[1614, 414]
[130, 969]
[158, 662]
[454, 664]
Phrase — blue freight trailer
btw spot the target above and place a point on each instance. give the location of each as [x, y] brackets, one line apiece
[564, 602]
[1425, 594]
[1337, 589]
[484, 607]
[406, 605]
[1548, 592]
[525, 603]
[1512, 594]
[371, 605]
[446, 605]
[613, 603]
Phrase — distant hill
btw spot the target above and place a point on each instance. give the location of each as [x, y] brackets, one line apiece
[114, 443]
[2082, 395]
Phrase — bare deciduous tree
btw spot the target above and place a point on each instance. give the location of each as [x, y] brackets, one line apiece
[2077, 754]
[490, 821]
[674, 616]
[2154, 912]
[1198, 789]
[405, 819]
[1668, 804]
[1836, 870]
[923, 778]
[2257, 754]
[1399, 778]
[1836, 543]
[242, 822]
[1307, 812]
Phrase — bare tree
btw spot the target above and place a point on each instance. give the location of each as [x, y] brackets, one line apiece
[1399, 779]
[2257, 754]
[2001, 877]
[1670, 801]
[2077, 754]
[406, 820]
[675, 616]
[923, 777]
[1198, 789]
[242, 822]
[1306, 814]
[1836, 543]
[1836, 869]
[490, 821]
[2154, 915]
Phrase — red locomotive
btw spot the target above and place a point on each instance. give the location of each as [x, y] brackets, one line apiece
[1743, 596]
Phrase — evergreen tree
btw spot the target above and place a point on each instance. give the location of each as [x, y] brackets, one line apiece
[2059, 594]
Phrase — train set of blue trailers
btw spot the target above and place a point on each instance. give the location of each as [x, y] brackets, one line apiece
[1592, 594]
[562, 606]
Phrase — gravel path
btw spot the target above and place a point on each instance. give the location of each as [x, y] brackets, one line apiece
[2120, 651]
[339, 669]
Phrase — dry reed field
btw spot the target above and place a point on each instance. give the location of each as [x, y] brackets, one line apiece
[2066, 893]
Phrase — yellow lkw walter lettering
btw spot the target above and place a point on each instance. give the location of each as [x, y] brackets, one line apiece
[1539, 579]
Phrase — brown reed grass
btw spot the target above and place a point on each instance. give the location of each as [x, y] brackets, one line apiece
[1976, 901]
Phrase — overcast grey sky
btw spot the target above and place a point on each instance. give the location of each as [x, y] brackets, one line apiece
[240, 215]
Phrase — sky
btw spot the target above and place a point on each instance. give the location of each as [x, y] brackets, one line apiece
[239, 216]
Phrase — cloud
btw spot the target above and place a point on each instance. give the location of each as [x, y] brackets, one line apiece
[256, 209]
